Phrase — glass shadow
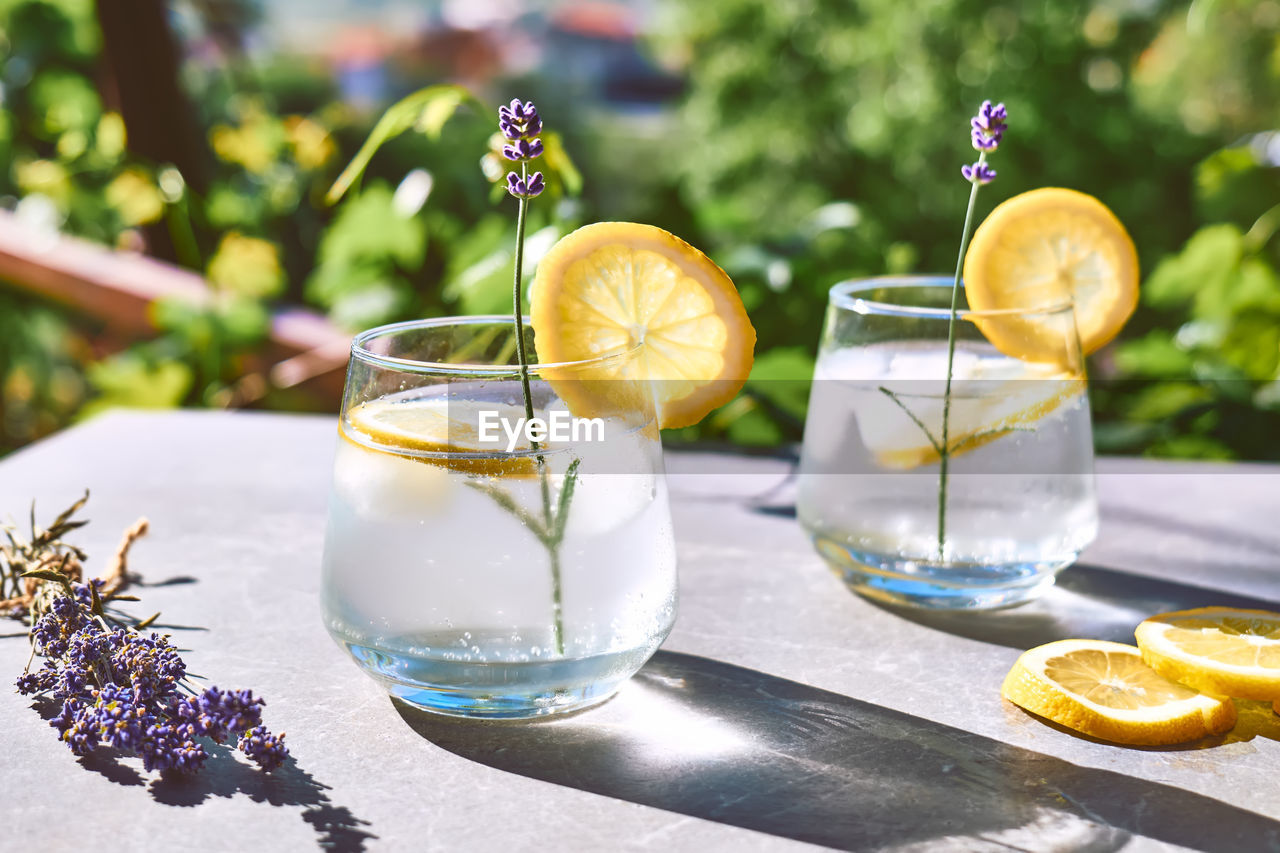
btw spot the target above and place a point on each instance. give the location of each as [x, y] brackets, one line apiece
[720, 742]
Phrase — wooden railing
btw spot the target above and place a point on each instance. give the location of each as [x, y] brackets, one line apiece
[116, 288]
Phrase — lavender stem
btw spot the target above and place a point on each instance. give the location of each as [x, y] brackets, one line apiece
[944, 456]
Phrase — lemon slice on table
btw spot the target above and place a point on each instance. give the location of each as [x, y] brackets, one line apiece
[609, 286]
[1104, 690]
[448, 426]
[1042, 248]
[1216, 649]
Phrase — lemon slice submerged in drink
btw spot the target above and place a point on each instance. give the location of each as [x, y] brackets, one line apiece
[1044, 248]
[1105, 690]
[1216, 649]
[444, 431]
[611, 286]
[900, 396]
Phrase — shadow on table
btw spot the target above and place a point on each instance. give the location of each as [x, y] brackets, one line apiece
[1086, 601]
[224, 775]
[723, 743]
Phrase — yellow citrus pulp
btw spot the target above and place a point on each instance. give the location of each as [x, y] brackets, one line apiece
[1216, 649]
[447, 428]
[1009, 397]
[1044, 248]
[1105, 690]
[609, 286]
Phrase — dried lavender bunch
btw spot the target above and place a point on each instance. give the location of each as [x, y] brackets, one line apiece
[122, 689]
[28, 563]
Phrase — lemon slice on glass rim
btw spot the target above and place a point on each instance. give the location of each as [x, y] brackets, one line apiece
[1105, 690]
[1216, 649]
[1043, 248]
[612, 285]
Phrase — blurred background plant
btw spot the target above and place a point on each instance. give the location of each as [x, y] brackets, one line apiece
[798, 142]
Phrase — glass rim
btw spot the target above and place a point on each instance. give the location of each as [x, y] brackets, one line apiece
[842, 295]
[360, 350]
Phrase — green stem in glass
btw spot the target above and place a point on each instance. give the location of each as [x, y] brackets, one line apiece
[944, 455]
[553, 548]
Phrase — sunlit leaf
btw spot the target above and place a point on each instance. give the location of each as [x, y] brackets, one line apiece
[134, 195]
[782, 376]
[368, 227]
[246, 266]
[1199, 273]
[559, 164]
[427, 110]
[127, 381]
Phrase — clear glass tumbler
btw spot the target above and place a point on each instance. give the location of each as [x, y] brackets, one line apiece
[1015, 503]
[476, 569]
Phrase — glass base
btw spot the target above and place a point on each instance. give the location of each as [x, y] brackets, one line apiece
[498, 690]
[932, 585]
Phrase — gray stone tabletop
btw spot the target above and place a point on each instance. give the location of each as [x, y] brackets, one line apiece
[782, 710]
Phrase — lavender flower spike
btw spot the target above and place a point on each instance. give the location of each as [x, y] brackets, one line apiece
[979, 172]
[520, 123]
[988, 126]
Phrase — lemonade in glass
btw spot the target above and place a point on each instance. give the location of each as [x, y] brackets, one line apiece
[473, 576]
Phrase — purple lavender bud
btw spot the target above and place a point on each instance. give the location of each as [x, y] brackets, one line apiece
[536, 185]
[982, 142]
[517, 109]
[265, 749]
[533, 126]
[979, 172]
[515, 186]
[509, 129]
[510, 152]
[535, 148]
[988, 126]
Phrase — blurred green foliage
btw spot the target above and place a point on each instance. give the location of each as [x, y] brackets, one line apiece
[820, 141]
[816, 141]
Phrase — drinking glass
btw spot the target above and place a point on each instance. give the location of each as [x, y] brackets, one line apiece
[490, 575]
[1016, 503]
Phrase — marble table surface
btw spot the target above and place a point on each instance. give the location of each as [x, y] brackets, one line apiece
[782, 712]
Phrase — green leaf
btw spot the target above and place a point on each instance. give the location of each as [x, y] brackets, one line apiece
[1166, 400]
[247, 266]
[52, 577]
[376, 303]
[243, 321]
[1199, 274]
[1190, 447]
[559, 163]
[562, 505]
[369, 228]
[783, 376]
[427, 110]
[126, 380]
[751, 427]
[1154, 356]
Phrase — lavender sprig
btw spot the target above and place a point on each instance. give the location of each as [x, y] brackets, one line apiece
[986, 131]
[122, 689]
[520, 123]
